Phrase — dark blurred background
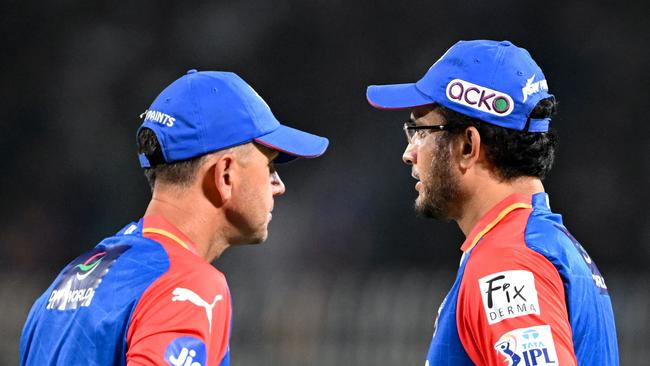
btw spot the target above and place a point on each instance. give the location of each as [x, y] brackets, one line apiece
[349, 275]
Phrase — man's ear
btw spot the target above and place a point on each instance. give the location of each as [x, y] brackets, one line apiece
[218, 179]
[470, 148]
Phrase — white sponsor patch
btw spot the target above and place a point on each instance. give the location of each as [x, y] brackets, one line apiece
[533, 87]
[479, 98]
[508, 294]
[528, 346]
[159, 117]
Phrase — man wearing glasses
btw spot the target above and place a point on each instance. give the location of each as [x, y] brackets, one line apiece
[479, 145]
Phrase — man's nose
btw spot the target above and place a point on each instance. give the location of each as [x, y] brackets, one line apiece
[277, 186]
[409, 156]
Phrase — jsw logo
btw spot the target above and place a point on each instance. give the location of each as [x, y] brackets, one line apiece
[186, 358]
[533, 87]
[158, 117]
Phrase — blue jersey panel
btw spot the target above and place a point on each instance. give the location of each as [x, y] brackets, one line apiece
[588, 302]
[446, 348]
[83, 318]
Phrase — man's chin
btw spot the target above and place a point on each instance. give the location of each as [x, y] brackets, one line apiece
[259, 238]
[421, 207]
[426, 209]
[252, 238]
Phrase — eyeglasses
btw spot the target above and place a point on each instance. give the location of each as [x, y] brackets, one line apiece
[410, 129]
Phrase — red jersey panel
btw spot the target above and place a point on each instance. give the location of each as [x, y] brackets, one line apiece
[511, 298]
[526, 294]
[184, 317]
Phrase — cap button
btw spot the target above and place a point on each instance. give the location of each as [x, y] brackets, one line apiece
[192, 71]
[506, 43]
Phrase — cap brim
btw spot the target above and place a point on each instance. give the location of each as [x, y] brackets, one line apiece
[396, 96]
[292, 143]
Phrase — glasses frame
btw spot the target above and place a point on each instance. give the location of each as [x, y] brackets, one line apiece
[409, 126]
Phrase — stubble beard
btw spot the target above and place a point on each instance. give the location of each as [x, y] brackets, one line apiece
[248, 229]
[441, 192]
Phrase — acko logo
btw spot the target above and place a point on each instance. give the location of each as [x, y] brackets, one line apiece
[531, 346]
[508, 294]
[186, 351]
[480, 98]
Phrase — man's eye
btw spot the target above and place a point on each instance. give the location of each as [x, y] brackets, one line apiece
[421, 133]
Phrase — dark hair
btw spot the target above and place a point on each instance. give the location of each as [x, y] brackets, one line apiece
[180, 172]
[513, 153]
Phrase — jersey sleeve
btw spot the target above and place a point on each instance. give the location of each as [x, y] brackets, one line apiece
[181, 319]
[511, 310]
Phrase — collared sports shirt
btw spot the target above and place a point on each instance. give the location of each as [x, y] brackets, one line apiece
[141, 297]
[526, 294]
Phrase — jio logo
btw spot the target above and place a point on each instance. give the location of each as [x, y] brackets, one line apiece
[186, 351]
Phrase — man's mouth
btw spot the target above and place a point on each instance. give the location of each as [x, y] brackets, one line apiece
[416, 176]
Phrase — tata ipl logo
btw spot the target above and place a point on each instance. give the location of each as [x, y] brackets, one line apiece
[531, 346]
[89, 266]
[507, 346]
[480, 98]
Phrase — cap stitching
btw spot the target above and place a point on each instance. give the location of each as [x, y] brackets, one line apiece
[247, 106]
[199, 112]
[501, 51]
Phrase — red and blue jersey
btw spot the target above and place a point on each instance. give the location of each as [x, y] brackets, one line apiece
[526, 294]
[141, 297]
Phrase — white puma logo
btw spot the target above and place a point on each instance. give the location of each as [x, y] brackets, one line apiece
[183, 294]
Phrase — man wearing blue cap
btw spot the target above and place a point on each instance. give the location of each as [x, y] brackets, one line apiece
[479, 145]
[148, 295]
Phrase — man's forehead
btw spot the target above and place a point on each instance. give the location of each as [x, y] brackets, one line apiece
[428, 114]
[270, 153]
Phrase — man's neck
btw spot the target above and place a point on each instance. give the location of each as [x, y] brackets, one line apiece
[487, 195]
[196, 222]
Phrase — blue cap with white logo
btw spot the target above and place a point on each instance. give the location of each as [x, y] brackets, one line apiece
[496, 82]
[206, 111]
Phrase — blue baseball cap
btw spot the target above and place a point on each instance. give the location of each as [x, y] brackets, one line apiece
[206, 111]
[496, 82]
